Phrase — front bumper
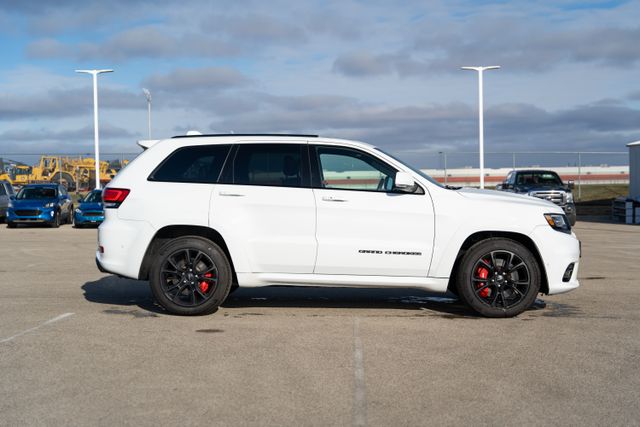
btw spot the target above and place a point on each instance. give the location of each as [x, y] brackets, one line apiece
[26, 216]
[82, 219]
[558, 250]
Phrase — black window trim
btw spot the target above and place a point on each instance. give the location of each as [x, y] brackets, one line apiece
[316, 184]
[166, 159]
[226, 177]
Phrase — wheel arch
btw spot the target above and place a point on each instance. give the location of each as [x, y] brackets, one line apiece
[171, 232]
[484, 235]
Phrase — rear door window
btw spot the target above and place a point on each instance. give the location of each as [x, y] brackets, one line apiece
[277, 165]
[195, 164]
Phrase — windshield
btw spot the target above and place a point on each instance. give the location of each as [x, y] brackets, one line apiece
[418, 171]
[37, 193]
[538, 178]
[93, 197]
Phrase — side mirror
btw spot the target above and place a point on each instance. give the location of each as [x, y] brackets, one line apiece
[12, 197]
[499, 187]
[404, 183]
[571, 185]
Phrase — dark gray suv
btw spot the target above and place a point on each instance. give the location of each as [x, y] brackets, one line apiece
[6, 191]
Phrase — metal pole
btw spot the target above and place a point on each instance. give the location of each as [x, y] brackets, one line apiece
[149, 115]
[579, 175]
[445, 168]
[481, 127]
[95, 129]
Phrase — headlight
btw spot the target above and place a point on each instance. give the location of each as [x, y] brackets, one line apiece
[558, 222]
[78, 211]
[50, 205]
[569, 197]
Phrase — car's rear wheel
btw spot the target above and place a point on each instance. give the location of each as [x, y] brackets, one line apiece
[498, 278]
[70, 216]
[191, 276]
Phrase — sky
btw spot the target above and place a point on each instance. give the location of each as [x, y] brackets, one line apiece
[387, 73]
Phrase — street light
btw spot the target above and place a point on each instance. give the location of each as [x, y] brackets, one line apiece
[95, 73]
[147, 95]
[481, 115]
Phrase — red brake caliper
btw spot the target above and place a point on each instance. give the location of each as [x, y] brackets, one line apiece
[482, 273]
[204, 286]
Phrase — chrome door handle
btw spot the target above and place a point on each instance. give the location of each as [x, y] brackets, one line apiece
[227, 194]
[333, 199]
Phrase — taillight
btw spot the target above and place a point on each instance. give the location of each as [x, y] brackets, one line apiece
[113, 197]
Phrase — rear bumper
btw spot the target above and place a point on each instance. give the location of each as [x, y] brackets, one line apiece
[124, 244]
[558, 250]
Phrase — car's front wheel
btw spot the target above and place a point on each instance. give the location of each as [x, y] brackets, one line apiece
[55, 221]
[191, 276]
[498, 278]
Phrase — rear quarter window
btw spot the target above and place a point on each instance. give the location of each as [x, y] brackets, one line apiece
[195, 164]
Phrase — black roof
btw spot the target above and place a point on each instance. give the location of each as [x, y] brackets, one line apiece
[52, 184]
[246, 134]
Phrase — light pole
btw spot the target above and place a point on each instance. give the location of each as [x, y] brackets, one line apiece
[481, 115]
[96, 137]
[147, 95]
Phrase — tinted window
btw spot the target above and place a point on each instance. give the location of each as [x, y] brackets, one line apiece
[269, 164]
[2, 190]
[200, 164]
[349, 169]
[538, 178]
[37, 193]
[93, 197]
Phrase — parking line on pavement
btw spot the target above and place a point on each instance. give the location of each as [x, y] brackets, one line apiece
[48, 322]
[360, 393]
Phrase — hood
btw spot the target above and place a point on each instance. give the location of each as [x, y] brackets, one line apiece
[32, 203]
[91, 206]
[503, 196]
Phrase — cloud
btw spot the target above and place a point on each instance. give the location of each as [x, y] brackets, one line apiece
[201, 79]
[57, 103]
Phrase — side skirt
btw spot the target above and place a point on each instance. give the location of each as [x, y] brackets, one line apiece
[252, 280]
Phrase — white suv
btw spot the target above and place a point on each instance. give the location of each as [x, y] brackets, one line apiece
[200, 215]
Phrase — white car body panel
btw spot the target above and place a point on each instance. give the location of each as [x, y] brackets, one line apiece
[282, 235]
[268, 229]
[373, 233]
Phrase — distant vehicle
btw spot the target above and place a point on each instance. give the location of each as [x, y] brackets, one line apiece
[6, 191]
[196, 215]
[543, 184]
[40, 203]
[90, 211]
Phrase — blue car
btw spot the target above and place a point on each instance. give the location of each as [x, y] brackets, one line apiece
[90, 211]
[40, 204]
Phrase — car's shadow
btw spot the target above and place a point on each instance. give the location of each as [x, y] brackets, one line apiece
[114, 291]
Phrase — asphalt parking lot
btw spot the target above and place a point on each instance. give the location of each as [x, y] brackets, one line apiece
[78, 347]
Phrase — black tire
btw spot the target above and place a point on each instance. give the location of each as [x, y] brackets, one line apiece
[55, 223]
[11, 224]
[572, 219]
[70, 216]
[498, 278]
[190, 298]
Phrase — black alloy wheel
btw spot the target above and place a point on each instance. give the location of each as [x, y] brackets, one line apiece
[501, 279]
[498, 278]
[191, 276]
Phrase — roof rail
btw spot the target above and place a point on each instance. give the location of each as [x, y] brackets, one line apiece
[246, 134]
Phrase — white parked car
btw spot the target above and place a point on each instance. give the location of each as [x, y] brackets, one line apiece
[199, 215]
